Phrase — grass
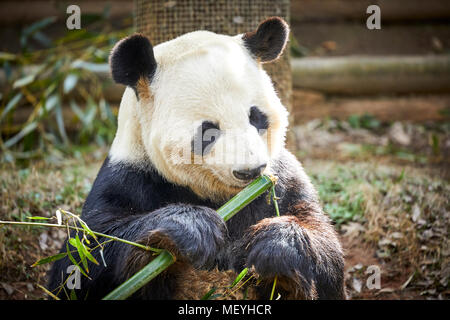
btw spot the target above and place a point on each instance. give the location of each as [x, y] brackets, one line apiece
[37, 191]
[340, 194]
[401, 210]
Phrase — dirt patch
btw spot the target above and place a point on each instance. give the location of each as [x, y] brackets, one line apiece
[359, 256]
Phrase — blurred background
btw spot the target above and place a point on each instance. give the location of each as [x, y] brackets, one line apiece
[369, 120]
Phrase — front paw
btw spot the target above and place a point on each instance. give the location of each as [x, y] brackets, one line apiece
[193, 233]
[280, 247]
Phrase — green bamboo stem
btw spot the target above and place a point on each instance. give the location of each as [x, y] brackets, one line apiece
[63, 226]
[142, 277]
[243, 198]
[165, 258]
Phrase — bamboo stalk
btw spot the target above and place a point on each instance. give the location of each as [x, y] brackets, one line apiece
[142, 277]
[243, 198]
[63, 226]
[165, 258]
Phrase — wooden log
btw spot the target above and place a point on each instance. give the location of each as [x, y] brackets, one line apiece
[391, 10]
[373, 75]
[308, 105]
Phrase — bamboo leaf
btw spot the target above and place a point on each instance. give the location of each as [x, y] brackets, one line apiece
[38, 218]
[42, 38]
[90, 66]
[49, 259]
[73, 295]
[23, 81]
[81, 250]
[60, 123]
[70, 82]
[77, 110]
[208, 295]
[51, 102]
[7, 56]
[73, 242]
[72, 259]
[39, 25]
[11, 105]
[87, 229]
[239, 277]
[26, 130]
[89, 255]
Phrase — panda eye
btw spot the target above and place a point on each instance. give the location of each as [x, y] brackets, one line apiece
[207, 134]
[258, 119]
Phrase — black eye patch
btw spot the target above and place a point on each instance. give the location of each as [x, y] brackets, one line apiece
[207, 133]
[258, 119]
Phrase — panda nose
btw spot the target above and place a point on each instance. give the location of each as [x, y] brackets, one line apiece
[249, 174]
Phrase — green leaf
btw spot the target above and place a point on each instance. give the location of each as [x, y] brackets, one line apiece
[11, 104]
[93, 67]
[87, 229]
[60, 123]
[239, 277]
[73, 242]
[208, 295]
[51, 102]
[72, 259]
[38, 218]
[73, 295]
[23, 81]
[26, 130]
[89, 255]
[7, 56]
[80, 248]
[39, 25]
[49, 259]
[70, 82]
[42, 38]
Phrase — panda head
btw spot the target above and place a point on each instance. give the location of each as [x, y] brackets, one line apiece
[200, 109]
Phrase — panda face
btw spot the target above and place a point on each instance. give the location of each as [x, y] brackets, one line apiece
[207, 117]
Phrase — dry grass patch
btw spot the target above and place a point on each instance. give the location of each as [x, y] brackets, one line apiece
[36, 191]
[403, 212]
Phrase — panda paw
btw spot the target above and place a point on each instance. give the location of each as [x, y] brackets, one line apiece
[280, 246]
[192, 233]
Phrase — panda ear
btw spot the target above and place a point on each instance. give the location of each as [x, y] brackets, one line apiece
[268, 41]
[131, 59]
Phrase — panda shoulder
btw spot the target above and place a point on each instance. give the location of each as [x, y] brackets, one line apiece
[292, 176]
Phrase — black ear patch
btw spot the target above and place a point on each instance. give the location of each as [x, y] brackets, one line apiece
[268, 41]
[132, 58]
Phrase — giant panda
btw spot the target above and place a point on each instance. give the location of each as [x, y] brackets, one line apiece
[198, 121]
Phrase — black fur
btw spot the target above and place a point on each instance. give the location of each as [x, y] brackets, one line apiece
[134, 203]
[268, 41]
[131, 59]
[205, 137]
[258, 119]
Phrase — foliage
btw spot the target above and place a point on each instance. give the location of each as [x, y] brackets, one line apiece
[341, 201]
[49, 81]
[365, 121]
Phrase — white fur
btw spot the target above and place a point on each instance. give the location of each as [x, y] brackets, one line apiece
[201, 76]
